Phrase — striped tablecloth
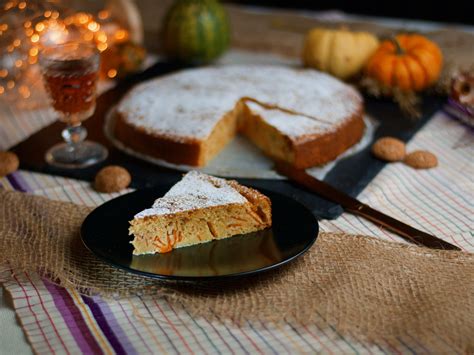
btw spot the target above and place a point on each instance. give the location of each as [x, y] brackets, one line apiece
[56, 320]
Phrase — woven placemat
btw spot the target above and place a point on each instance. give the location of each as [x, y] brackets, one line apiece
[369, 289]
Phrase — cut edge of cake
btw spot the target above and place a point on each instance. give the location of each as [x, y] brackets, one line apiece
[303, 151]
[198, 209]
[178, 150]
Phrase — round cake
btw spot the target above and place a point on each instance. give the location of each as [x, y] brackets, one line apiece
[301, 116]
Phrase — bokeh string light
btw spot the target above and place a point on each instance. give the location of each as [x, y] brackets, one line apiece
[28, 26]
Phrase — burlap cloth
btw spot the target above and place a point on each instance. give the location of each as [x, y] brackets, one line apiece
[366, 288]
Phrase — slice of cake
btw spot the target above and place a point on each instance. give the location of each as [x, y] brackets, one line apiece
[188, 117]
[300, 140]
[198, 209]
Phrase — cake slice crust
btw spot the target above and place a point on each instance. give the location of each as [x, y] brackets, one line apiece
[302, 150]
[199, 209]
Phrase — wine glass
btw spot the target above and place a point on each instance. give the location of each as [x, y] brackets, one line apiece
[70, 72]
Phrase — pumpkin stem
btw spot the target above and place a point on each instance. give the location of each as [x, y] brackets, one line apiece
[398, 47]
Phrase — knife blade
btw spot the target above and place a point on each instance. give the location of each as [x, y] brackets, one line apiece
[356, 207]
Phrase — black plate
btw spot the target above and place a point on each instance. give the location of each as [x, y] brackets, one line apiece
[294, 230]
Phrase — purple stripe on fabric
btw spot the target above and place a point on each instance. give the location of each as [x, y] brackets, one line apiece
[21, 180]
[17, 182]
[73, 318]
[109, 325]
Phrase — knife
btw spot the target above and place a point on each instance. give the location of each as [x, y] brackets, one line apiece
[356, 207]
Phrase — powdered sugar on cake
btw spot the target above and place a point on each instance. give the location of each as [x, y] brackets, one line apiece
[195, 190]
[190, 103]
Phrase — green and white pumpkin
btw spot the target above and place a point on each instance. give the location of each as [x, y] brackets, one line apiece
[196, 31]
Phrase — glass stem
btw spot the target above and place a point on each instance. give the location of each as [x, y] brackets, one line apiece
[73, 135]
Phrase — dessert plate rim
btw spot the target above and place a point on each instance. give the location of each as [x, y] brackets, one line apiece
[96, 241]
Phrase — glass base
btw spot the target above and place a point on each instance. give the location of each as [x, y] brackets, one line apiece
[85, 154]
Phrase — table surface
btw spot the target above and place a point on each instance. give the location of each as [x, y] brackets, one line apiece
[438, 200]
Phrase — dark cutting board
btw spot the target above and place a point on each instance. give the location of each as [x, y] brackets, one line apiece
[350, 175]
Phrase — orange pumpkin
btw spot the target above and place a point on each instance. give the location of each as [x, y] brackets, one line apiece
[410, 62]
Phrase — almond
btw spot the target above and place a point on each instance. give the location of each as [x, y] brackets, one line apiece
[389, 149]
[9, 163]
[112, 178]
[421, 159]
